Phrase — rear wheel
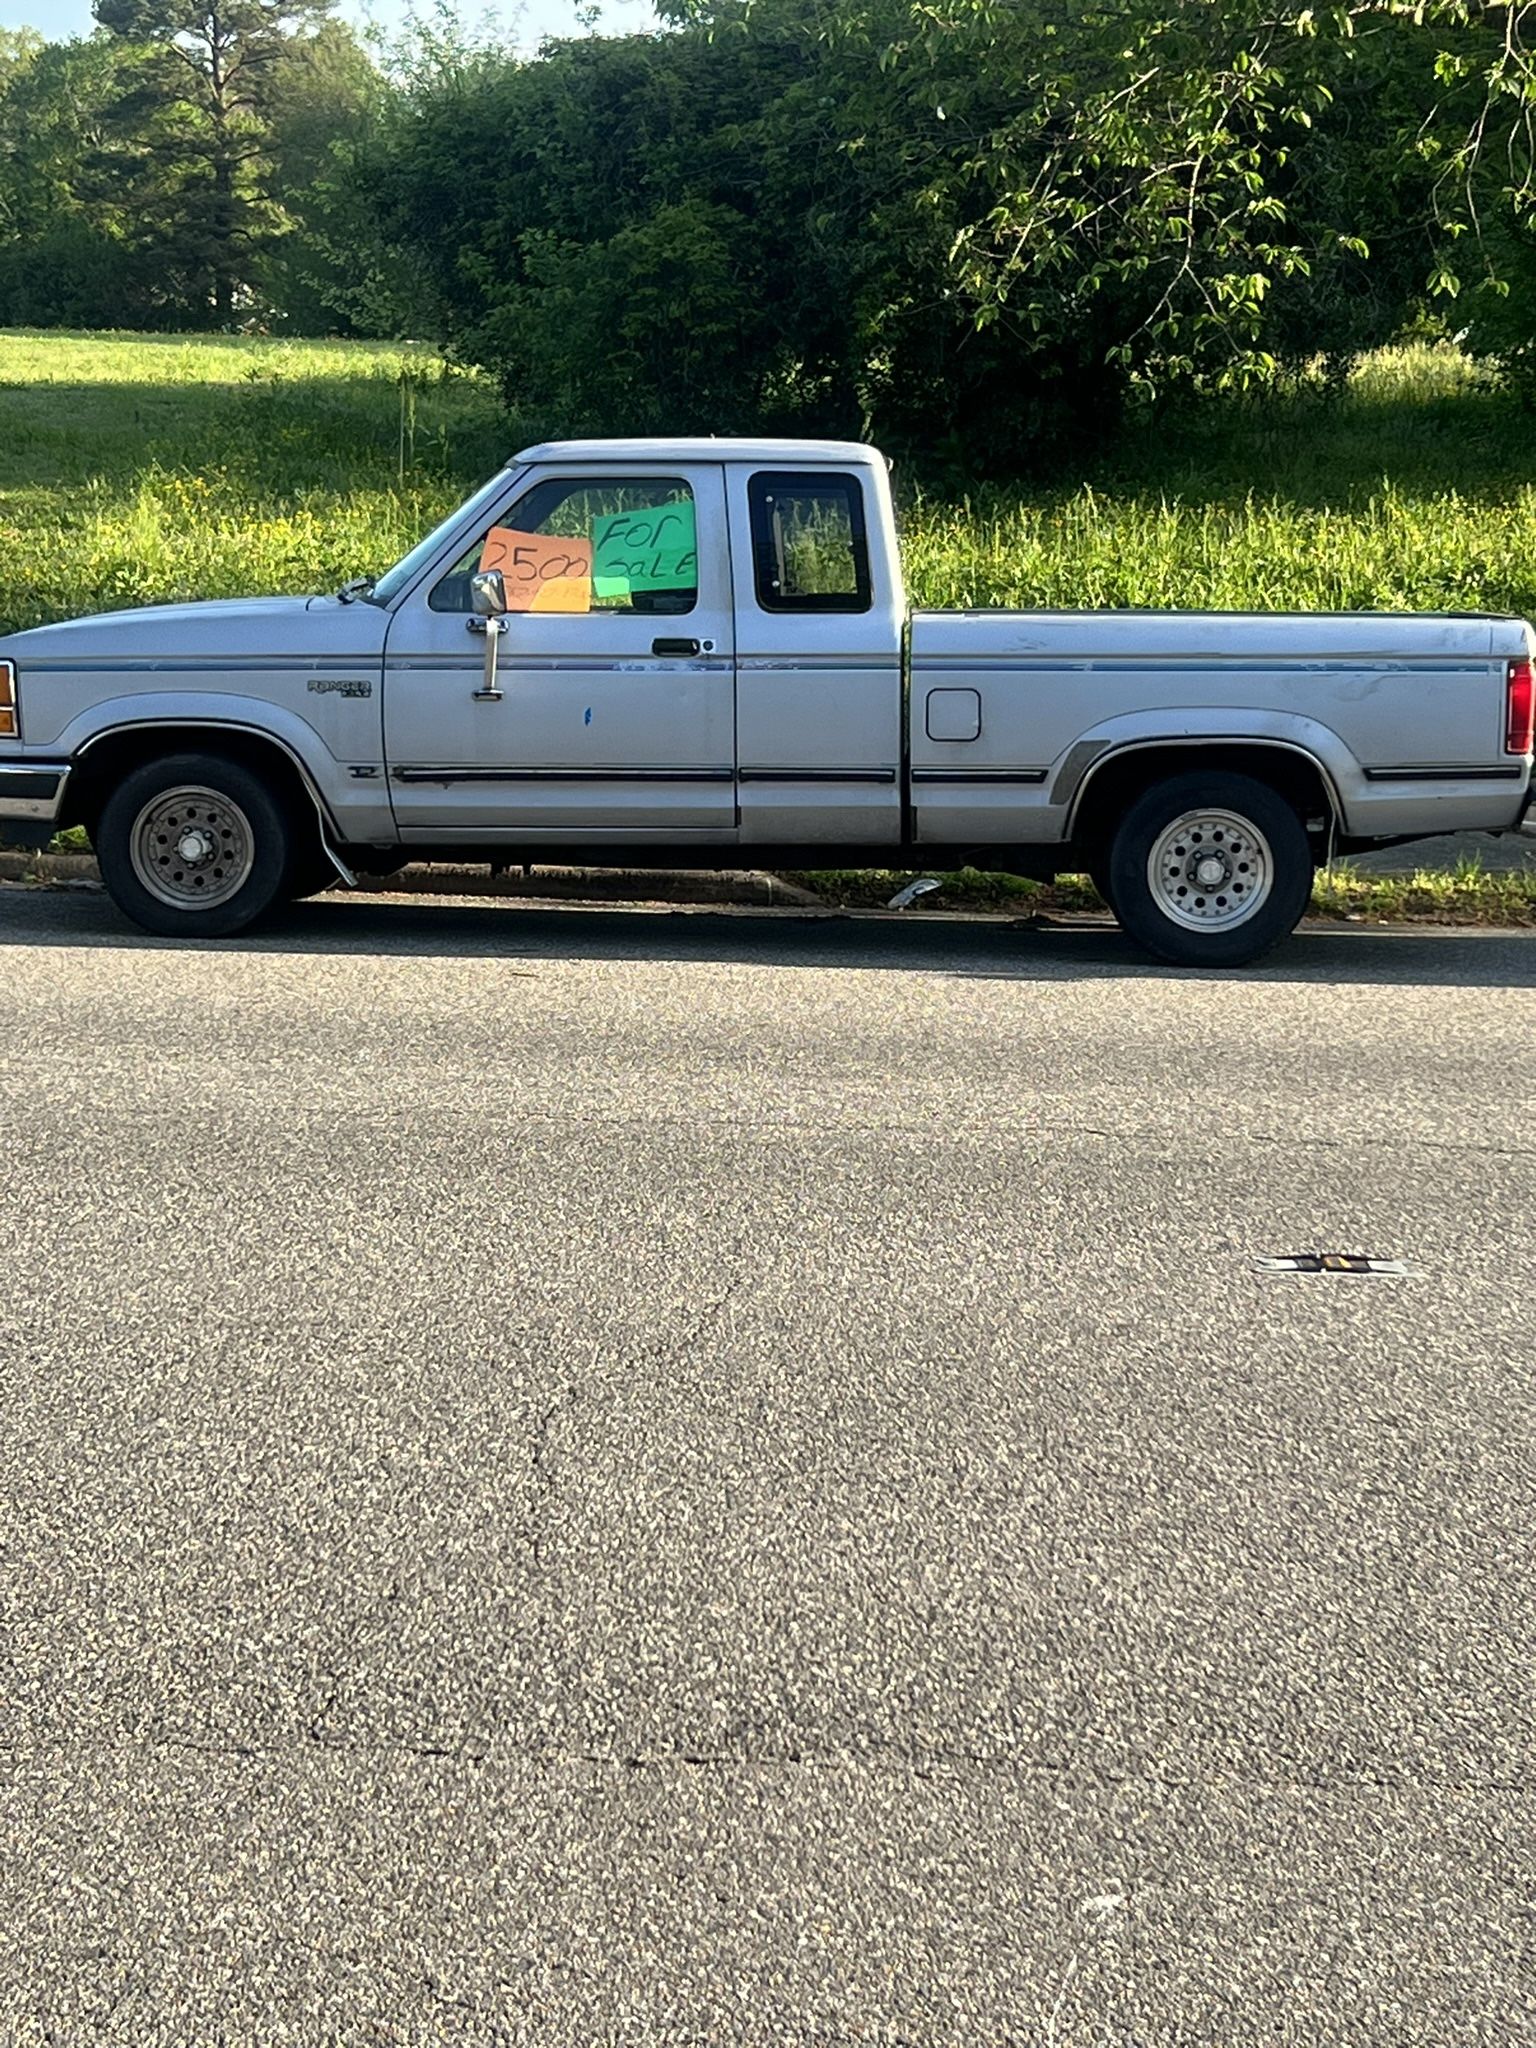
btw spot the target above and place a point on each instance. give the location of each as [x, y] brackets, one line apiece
[1210, 870]
[194, 846]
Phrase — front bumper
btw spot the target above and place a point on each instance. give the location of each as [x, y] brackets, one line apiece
[31, 798]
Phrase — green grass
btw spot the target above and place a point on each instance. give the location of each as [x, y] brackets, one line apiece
[1389, 552]
[1407, 491]
[136, 468]
[1468, 894]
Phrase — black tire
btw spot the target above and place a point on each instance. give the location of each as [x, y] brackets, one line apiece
[222, 801]
[1265, 828]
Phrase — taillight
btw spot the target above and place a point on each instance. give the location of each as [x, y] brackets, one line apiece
[8, 708]
[1520, 708]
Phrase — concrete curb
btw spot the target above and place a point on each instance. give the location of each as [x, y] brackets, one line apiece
[76, 870]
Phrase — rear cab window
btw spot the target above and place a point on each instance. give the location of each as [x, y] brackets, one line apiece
[810, 549]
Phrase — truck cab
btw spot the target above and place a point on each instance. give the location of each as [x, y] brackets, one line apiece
[741, 689]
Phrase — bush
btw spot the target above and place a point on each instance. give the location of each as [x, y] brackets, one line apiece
[71, 274]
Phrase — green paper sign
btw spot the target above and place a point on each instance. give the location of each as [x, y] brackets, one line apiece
[653, 549]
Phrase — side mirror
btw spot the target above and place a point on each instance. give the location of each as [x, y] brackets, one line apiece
[488, 594]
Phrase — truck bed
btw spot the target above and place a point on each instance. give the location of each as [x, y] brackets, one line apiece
[1011, 711]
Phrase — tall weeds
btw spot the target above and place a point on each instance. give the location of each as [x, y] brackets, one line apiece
[137, 469]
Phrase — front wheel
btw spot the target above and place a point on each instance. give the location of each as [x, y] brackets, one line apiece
[1210, 870]
[194, 846]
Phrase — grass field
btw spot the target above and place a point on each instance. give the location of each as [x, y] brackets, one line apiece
[135, 469]
[139, 468]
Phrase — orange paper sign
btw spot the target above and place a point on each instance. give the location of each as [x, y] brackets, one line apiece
[543, 572]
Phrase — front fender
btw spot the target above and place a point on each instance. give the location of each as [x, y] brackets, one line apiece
[194, 707]
[349, 788]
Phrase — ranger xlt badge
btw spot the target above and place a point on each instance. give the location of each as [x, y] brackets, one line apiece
[341, 686]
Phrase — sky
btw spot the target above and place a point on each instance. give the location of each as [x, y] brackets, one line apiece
[526, 23]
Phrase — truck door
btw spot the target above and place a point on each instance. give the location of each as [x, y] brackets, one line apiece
[617, 716]
[820, 614]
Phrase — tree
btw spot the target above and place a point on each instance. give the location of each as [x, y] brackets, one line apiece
[635, 232]
[1479, 146]
[66, 248]
[331, 269]
[977, 223]
[193, 134]
[18, 46]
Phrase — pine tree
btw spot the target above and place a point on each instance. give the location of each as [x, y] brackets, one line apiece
[191, 147]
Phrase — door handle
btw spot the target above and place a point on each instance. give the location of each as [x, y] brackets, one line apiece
[675, 647]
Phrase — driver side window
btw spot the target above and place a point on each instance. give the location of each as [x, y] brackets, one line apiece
[590, 544]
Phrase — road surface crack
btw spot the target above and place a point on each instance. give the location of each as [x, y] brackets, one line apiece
[340, 1664]
[543, 1465]
[711, 1313]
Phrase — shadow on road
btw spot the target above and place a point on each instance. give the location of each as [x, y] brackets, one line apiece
[984, 949]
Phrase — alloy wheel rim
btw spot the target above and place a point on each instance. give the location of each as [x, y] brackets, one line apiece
[1210, 870]
[192, 848]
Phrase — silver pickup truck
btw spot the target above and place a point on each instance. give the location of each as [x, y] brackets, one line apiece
[699, 654]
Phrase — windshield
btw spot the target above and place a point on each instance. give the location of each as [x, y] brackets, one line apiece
[393, 581]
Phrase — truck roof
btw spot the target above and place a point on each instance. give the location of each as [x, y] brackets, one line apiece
[710, 448]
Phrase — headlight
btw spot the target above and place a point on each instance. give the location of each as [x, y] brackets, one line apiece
[10, 710]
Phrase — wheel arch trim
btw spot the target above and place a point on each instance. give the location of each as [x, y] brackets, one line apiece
[198, 722]
[1089, 757]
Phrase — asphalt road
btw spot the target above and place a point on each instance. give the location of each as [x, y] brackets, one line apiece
[581, 1477]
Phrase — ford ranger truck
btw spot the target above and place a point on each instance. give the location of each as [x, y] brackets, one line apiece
[698, 654]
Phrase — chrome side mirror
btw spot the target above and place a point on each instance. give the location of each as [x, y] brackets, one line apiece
[488, 594]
